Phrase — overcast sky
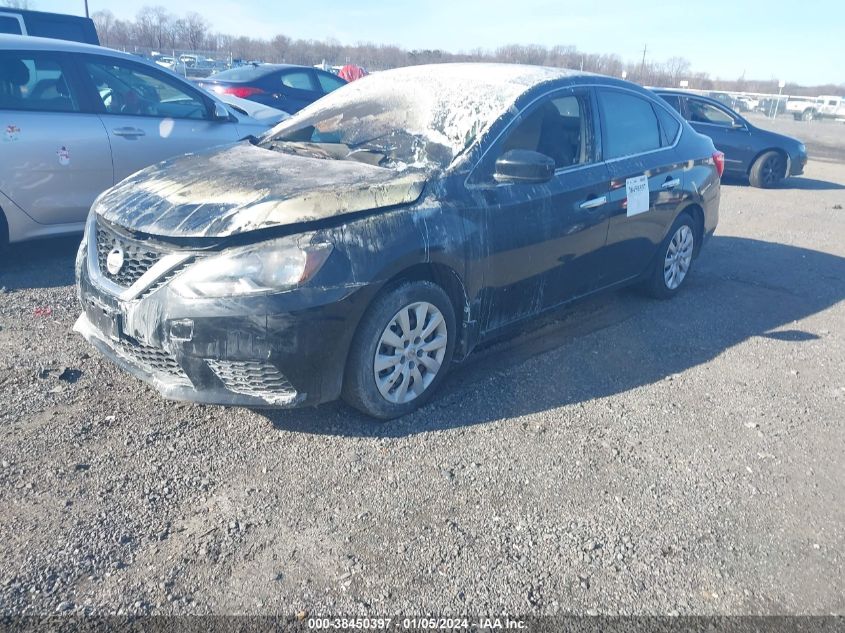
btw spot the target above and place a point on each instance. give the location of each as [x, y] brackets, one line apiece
[801, 41]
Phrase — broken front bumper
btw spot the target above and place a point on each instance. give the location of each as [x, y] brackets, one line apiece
[279, 350]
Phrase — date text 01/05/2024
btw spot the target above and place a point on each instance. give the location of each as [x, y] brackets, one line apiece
[416, 623]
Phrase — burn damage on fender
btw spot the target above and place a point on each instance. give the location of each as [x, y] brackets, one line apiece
[239, 275]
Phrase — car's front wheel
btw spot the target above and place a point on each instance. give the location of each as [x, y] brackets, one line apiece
[401, 351]
[768, 170]
[674, 259]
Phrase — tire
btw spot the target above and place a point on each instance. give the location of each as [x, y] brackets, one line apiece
[683, 234]
[808, 115]
[411, 361]
[768, 170]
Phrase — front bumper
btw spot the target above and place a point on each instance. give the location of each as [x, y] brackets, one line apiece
[280, 350]
[796, 165]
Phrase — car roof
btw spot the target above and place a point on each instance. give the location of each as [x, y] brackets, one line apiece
[31, 43]
[271, 68]
[683, 93]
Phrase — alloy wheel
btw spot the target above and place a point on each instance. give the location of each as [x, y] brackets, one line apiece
[771, 170]
[678, 257]
[410, 352]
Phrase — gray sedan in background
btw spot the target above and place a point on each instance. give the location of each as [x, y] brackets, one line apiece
[75, 119]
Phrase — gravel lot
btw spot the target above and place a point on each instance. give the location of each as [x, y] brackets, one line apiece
[624, 456]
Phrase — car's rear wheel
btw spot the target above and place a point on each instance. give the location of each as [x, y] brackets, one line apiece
[808, 115]
[768, 170]
[401, 351]
[674, 259]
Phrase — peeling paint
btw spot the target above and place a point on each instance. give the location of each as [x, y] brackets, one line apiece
[241, 188]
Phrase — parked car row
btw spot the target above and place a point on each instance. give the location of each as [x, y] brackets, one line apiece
[78, 118]
[283, 86]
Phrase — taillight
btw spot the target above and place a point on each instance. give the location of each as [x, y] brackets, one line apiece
[244, 92]
[719, 161]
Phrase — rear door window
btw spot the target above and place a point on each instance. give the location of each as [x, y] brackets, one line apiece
[37, 82]
[629, 123]
[328, 82]
[299, 80]
[674, 101]
[10, 24]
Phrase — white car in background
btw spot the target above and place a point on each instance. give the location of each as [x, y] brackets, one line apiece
[801, 108]
[75, 119]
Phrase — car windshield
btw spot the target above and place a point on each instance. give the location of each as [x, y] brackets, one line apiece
[417, 117]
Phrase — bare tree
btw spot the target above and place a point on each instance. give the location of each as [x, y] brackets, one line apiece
[154, 28]
[193, 30]
[104, 23]
[676, 68]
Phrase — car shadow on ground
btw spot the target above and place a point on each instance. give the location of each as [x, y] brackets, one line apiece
[39, 264]
[795, 182]
[740, 289]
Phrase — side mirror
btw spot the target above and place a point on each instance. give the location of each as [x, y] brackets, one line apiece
[524, 166]
[737, 125]
[221, 113]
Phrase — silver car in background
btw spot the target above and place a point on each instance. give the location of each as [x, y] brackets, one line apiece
[75, 119]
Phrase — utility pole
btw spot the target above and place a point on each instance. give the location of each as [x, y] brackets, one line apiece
[642, 65]
[86, 9]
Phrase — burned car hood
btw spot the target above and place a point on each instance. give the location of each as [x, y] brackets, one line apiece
[239, 188]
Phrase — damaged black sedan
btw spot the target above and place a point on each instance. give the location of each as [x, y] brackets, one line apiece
[366, 243]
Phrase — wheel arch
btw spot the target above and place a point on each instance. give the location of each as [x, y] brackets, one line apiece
[447, 278]
[695, 211]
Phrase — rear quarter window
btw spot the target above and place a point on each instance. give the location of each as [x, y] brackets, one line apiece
[669, 125]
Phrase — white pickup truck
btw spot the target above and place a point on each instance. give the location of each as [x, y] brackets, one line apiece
[807, 108]
[802, 108]
[830, 106]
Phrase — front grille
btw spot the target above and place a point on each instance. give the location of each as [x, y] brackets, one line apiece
[138, 257]
[250, 378]
[158, 283]
[153, 360]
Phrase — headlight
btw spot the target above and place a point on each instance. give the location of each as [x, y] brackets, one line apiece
[270, 266]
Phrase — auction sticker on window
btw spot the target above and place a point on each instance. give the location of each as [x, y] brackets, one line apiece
[636, 189]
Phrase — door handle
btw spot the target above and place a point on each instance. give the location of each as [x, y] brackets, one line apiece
[128, 131]
[594, 203]
[671, 184]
